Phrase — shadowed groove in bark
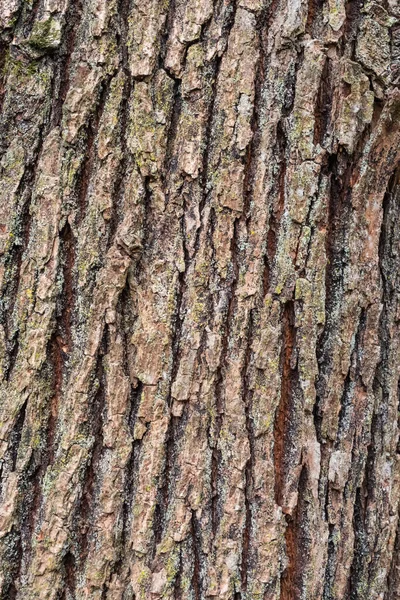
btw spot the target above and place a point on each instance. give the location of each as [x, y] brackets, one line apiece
[176, 427]
[323, 106]
[297, 545]
[132, 465]
[248, 490]
[283, 417]
[196, 580]
[72, 19]
[314, 17]
[69, 566]
[12, 276]
[353, 16]
[336, 248]
[353, 378]
[329, 576]
[360, 544]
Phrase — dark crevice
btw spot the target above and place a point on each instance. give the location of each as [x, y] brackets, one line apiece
[28, 15]
[323, 105]
[72, 19]
[353, 378]
[69, 568]
[298, 544]
[178, 580]
[132, 465]
[248, 491]
[65, 321]
[314, 22]
[169, 21]
[13, 258]
[285, 418]
[340, 168]
[13, 262]
[361, 547]
[170, 163]
[175, 428]
[350, 30]
[196, 541]
[124, 165]
[329, 578]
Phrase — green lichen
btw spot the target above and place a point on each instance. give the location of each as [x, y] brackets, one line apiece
[46, 35]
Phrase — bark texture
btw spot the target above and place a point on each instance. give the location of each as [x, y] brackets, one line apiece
[199, 317]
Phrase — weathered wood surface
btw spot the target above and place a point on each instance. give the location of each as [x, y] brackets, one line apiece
[199, 318]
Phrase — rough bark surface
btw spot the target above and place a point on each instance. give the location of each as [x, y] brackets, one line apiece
[199, 316]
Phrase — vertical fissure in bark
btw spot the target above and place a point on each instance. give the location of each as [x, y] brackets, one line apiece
[178, 579]
[65, 322]
[27, 16]
[284, 416]
[297, 545]
[124, 166]
[329, 577]
[170, 163]
[323, 105]
[69, 572]
[248, 490]
[339, 206]
[361, 547]
[314, 17]
[353, 378]
[353, 16]
[175, 426]
[132, 464]
[13, 262]
[169, 21]
[196, 541]
[72, 20]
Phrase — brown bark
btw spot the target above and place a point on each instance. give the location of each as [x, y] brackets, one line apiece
[200, 274]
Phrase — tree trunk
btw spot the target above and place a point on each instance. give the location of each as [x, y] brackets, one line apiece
[199, 317]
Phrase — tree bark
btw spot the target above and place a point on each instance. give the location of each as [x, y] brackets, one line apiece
[199, 316]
